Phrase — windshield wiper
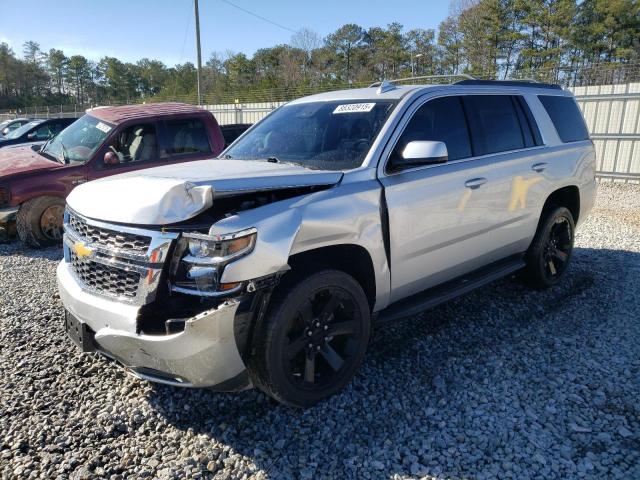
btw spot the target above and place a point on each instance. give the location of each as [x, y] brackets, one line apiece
[43, 151]
[65, 157]
[44, 145]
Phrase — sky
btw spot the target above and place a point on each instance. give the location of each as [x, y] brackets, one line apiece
[165, 29]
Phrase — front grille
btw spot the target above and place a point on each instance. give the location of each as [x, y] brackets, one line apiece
[108, 238]
[106, 280]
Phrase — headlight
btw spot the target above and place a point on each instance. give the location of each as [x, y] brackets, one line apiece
[5, 196]
[199, 261]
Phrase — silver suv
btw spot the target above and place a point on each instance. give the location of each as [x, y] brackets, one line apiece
[270, 265]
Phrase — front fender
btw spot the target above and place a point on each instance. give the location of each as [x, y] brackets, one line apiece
[346, 214]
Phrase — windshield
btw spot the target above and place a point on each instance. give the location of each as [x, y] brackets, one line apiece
[322, 135]
[18, 132]
[78, 141]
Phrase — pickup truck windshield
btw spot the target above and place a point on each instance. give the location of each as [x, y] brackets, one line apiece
[78, 141]
[322, 135]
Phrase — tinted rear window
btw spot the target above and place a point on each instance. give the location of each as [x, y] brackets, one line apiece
[186, 136]
[493, 123]
[566, 117]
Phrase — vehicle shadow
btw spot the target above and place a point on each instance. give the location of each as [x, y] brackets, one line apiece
[427, 382]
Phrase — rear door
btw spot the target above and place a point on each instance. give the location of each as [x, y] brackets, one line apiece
[503, 133]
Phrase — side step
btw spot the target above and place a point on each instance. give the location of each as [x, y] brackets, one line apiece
[434, 296]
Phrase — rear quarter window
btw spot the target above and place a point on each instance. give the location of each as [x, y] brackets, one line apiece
[566, 117]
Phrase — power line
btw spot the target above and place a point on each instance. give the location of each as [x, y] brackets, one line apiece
[184, 42]
[259, 16]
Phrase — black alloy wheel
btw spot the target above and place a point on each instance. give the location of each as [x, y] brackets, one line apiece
[322, 338]
[557, 248]
[550, 252]
[314, 338]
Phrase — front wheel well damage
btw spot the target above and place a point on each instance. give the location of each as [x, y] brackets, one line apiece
[351, 259]
[568, 197]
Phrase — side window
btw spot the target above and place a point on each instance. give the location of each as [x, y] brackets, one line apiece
[494, 124]
[137, 143]
[43, 133]
[186, 137]
[441, 119]
[57, 127]
[566, 117]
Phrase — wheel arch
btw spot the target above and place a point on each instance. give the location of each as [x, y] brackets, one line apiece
[349, 258]
[568, 197]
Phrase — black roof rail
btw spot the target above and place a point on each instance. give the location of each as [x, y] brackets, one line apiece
[511, 83]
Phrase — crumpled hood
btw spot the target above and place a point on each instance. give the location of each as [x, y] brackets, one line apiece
[22, 159]
[174, 193]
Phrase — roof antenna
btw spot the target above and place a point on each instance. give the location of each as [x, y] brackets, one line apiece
[384, 86]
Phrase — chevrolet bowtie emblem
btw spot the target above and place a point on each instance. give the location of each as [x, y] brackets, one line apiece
[81, 250]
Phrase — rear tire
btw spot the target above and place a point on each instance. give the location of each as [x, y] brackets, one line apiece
[550, 252]
[39, 221]
[313, 339]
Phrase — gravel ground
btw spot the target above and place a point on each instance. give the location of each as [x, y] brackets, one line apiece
[502, 383]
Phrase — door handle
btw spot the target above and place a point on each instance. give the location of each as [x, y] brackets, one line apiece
[539, 167]
[475, 182]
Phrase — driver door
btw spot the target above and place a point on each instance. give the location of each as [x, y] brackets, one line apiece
[437, 217]
[134, 146]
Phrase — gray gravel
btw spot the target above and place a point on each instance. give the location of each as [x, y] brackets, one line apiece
[503, 383]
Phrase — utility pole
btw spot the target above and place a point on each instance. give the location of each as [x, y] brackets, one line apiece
[195, 3]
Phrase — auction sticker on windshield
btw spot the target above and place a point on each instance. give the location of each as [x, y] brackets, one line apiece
[103, 127]
[354, 107]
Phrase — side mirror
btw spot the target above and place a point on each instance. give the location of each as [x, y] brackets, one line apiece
[422, 152]
[111, 158]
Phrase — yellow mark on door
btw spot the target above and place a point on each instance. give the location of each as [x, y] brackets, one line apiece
[519, 190]
[464, 199]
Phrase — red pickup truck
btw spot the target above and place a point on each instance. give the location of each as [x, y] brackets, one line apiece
[35, 180]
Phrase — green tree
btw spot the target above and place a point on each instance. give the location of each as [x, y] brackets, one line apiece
[450, 46]
[57, 63]
[78, 76]
[344, 44]
[421, 44]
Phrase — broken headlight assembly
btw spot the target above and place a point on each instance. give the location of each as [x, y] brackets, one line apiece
[199, 261]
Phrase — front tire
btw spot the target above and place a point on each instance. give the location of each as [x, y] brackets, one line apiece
[313, 339]
[39, 221]
[550, 252]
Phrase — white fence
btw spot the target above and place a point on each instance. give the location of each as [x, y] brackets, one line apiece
[612, 113]
[242, 112]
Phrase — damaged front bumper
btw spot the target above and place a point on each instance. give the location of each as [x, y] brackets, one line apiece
[204, 354]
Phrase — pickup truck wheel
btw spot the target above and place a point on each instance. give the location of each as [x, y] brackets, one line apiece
[550, 252]
[39, 221]
[314, 338]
